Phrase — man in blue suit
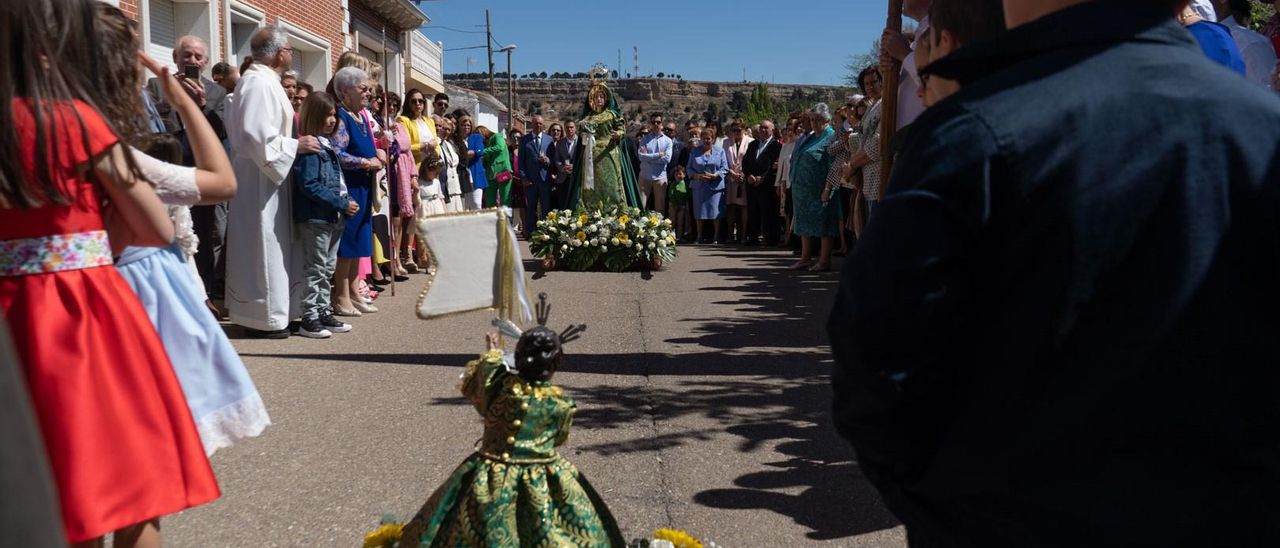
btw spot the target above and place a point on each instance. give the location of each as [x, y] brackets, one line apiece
[535, 163]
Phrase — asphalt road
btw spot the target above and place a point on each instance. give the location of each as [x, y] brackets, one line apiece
[703, 399]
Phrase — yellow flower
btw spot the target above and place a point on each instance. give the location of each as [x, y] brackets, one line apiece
[623, 219]
[677, 537]
[551, 216]
[387, 535]
[653, 221]
[582, 219]
[622, 237]
[582, 236]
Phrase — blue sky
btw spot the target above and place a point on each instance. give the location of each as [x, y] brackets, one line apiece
[783, 41]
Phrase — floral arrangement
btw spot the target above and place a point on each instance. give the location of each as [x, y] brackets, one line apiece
[618, 238]
[386, 535]
[671, 538]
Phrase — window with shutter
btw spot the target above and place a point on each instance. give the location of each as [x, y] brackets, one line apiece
[163, 22]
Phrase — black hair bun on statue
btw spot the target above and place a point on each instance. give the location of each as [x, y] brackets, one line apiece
[540, 350]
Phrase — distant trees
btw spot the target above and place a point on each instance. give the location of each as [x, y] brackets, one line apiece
[662, 75]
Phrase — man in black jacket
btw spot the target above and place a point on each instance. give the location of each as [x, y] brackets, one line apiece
[1059, 327]
[760, 165]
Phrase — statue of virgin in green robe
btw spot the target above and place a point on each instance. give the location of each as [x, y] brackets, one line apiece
[607, 178]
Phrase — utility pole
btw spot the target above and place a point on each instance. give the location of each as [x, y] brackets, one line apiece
[511, 96]
[619, 62]
[488, 46]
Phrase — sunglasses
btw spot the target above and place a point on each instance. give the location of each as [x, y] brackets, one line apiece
[418, 101]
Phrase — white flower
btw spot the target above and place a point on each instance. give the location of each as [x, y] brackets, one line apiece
[661, 243]
[604, 248]
[651, 246]
[564, 247]
[614, 241]
[575, 243]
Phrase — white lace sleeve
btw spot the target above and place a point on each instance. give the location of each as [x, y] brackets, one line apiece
[175, 185]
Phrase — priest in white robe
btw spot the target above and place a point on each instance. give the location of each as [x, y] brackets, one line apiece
[259, 242]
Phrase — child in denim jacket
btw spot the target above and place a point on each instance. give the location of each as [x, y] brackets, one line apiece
[320, 203]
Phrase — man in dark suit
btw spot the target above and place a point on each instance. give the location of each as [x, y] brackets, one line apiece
[209, 221]
[1057, 328]
[761, 170]
[535, 168]
[562, 165]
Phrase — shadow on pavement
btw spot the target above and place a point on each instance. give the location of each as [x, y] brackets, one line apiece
[774, 395]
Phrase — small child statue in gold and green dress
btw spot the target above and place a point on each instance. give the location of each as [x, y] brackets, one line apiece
[516, 490]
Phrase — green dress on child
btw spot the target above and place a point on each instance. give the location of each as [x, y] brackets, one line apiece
[515, 490]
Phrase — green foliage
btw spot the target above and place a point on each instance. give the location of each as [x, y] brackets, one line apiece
[1262, 12]
[761, 106]
[859, 61]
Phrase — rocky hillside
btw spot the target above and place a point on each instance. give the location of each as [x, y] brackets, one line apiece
[677, 99]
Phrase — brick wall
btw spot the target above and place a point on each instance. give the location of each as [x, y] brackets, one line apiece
[324, 18]
[130, 8]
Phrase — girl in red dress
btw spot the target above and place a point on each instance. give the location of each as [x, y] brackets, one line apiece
[117, 431]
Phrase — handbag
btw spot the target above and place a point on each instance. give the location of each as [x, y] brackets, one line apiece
[503, 177]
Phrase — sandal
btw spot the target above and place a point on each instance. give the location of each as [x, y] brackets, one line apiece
[801, 264]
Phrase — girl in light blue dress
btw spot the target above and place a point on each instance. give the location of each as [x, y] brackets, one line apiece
[223, 400]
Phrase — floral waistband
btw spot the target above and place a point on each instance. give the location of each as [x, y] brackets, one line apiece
[54, 253]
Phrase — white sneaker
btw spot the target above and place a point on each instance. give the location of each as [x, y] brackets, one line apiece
[332, 324]
[312, 328]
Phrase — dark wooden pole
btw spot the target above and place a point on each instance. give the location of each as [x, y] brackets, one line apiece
[889, 106]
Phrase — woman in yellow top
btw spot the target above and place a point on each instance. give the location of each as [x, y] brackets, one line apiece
[421, 132]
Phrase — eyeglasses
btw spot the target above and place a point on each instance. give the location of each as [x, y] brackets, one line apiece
[442, 103]
[418, 101]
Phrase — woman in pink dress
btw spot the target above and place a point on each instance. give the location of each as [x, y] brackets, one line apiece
[117, 430]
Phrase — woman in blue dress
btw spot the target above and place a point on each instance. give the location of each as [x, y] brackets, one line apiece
[706, 170]
[360, 160]
[816, 215]
[474, 160]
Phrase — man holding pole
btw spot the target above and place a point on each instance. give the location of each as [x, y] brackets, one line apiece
[1049, 337]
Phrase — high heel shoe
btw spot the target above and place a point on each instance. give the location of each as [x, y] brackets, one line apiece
[349, 312]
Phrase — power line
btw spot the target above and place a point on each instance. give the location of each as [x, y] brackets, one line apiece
[470, 47]
[455, 30]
